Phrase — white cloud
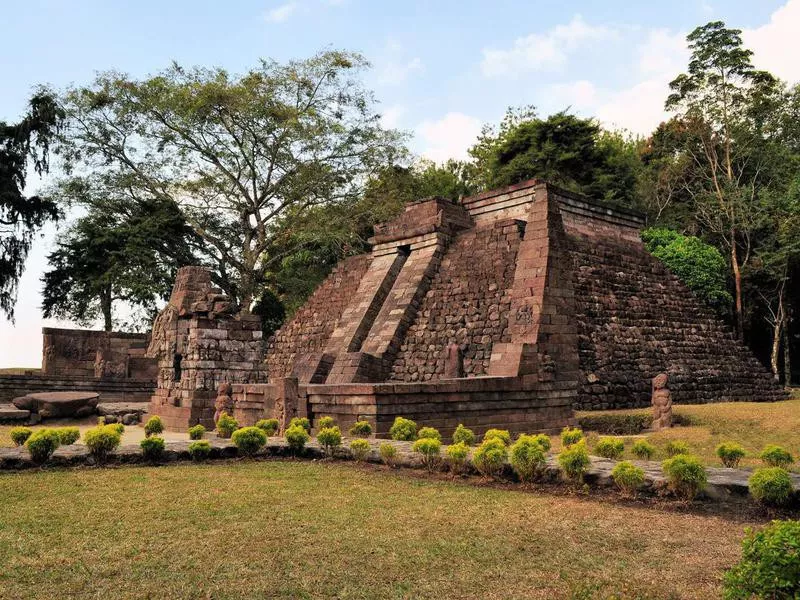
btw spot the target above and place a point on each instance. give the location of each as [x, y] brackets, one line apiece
[395, 73]
[578, 94]
[774, 44]
[281, 13]
[543, 51]
[391, 115]
[663, 52]
[448, 137]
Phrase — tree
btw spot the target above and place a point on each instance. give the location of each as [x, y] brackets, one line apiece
[20, 217]
[724, 103]
[563, 149]
[244, 157]
[118, 252]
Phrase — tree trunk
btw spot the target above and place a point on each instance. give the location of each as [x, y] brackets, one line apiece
[787, 359]
[737, 280]
[776, 345]
[105, 306]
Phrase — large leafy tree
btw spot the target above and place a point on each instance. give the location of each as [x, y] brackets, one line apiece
[22, 217]
[246, 158]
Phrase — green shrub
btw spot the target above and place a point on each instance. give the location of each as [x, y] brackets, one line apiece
[329, 438]
[771, 485]
[101, 420]
[325, 423]
[42, 443]
[730, 453]
[429, 448]
[628, 477]
[360, 449]
[199, 449]
[643, 450]
[463, 434]
[770, 564]
[490, 457]
[268, 426]
[403, 430]
[102, 440]
[429, 432]
[776, 456]
[615, 424]
[119, 427]
[675, 447]
[544, 441]
[152, 448]
[609, 447]
[570, 436]
[197, 432]
[527, 457]
[226, 425]
[498, 434]
[153, 426]
[68, 435]
[574, 460]
[686, 476]
[302, 422]
[457, 456]
[297, 437]
[20, 434]
[388, 453]
[249, 440]
[361, 429]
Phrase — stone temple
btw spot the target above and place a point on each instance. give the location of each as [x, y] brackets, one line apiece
[506, 309]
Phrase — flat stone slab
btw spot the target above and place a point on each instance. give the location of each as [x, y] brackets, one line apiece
[120, 409]
[9, 412]
[59, 404]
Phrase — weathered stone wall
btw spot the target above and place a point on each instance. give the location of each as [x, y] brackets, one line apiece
[110, 390]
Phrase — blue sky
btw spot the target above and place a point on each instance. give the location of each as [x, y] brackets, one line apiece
[440, 69]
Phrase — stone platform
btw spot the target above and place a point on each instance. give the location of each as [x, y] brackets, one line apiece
[9, 412]
[50, 405]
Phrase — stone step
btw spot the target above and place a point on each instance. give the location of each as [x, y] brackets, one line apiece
[9, 412]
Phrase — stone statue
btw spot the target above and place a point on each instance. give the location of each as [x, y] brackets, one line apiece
[662, 403]
[224, 401]
[454, 362]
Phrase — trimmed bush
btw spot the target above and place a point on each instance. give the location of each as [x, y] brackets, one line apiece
[68, 435]
[268, 426]
[675, 447]
[776, 456]
[199, 449]
[614, 424]
[249, 440]
[490, 457]
[119, 427]
[302, 422]
[361, 429]
[643, 450]
[544, 441]
[498, 434]
[20, 434]
[388, 453]
[153, 426]
[360, 449]
[730, 453]
[197, 432]
[102, 440]
[457, 456]
[686, 476]
[527, 457]
[329, 438]
[570, 436]
[226, 425]
[609, 447]
[152, 448]
[429, 448]
[404, 430]
[325, 423]
[770, 565]
[771, 486]
[463, 435]
[628, 477]
[429, 433]
[297, 437]
[42, 443]
[574, 460]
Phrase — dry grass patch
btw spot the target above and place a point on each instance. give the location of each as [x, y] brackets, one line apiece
[321, 530]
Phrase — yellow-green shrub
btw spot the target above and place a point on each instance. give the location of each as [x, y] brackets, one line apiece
[730, 453]
[249, 440]
[675, 447]
[301, 422]
[463, 434]
[325, 423]
[429, 449]
[776, 456]
[297, 437]
[686, 475]
[498, 434]
[388, 453]
[490, 457]
[570, 436]
[152, 447]
[199, 449]
[429, 432]
[20, 434]
[527, 457]
[609, 447]
[68, 435]
[226, 425]
[628, 477]
[644, 450]
[153, 426]
[457, 456]
[197, 432]
[268, 426]
[329, 438]
[403, 430]
[102, 440]
[360, 449]
[361, 429]
[42, 443]
[771, 485]
[574, 460]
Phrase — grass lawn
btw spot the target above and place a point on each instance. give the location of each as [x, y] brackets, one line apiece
[751, 424]
[288, 529]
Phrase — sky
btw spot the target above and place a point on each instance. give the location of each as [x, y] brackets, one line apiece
[440, 69]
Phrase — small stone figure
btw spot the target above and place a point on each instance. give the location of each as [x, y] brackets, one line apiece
[224, 402]
[662, 403]
[454, 362]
